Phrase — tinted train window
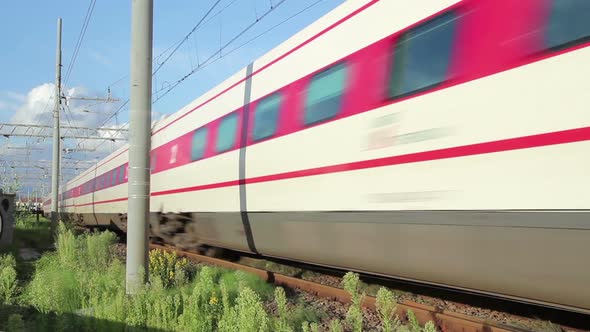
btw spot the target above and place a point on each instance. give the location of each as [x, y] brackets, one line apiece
[198, 144]
[114, 177]
[121, 173]
[324, 95]
[226, 133]
[569, 23]
[153, 162]
[266, 117]
[421, 56]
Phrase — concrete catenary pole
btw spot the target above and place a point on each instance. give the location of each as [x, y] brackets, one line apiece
[56, 142]
[139, 143]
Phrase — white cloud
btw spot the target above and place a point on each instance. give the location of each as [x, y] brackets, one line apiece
[37, 102]
[36, 107]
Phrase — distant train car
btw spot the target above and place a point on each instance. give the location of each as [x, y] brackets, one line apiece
[444, 142]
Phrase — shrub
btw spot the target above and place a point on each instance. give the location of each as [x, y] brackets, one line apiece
[8, 279]
[282, 324]
[386, 308]
[99, 251]
[168, 268]
[67, 246]
[54, 287]
[248, 315]
[84, 278]
[354, 316]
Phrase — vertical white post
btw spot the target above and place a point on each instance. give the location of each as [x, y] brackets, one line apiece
[56, 142]
[139, 143]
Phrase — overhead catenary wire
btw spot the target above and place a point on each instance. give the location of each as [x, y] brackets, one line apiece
[241, 33]
[186, 37]
[206, 62]
[79, 41]
[211, 59]
[81, 35]
[174, 47]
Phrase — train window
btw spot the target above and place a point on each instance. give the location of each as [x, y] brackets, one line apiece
[121, 173]
[421, 56]
[324, 95]
[114, 177]
[569, 23]
[153, 162]
[266, 116]
[198, 144]
[226, 133]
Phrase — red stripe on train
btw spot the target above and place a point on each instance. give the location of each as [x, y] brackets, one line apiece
[518, 143]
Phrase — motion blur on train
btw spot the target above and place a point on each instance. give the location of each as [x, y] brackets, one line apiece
[440, 142]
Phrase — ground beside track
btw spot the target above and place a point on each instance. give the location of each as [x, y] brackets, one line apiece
[325, 309]
[329, 309]
[494, 310]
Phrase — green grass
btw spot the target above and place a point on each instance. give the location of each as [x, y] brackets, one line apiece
[28, 232]
[81, 287]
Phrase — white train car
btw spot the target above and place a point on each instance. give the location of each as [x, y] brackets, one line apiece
[443, 142]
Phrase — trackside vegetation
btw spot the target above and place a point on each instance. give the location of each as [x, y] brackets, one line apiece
[81, 287]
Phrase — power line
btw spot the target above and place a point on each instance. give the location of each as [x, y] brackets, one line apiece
[186, 37]
[210, 60]
[204, 20]
[80, 38]
[176, 47]
[275, 26]
[178, 82]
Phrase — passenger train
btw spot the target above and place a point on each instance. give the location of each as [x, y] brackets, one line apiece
[442, 142]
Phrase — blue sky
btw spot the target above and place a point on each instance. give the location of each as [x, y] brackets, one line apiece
[27, 59]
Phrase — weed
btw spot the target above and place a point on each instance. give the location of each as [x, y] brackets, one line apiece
[15, 323]
[29, 232]
[83, 278]
[67, 246]
[8, 279]
[168, 268]
[386, 308]
[336, 326]
[313, 327]
[354, 316]
[282, 324]
[99, 250]
[248, 315]
[302, 313]
[413, 323]
[429, 327]
[310, 327]
[305, 327]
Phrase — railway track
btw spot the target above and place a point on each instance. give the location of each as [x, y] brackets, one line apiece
[445, 320]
